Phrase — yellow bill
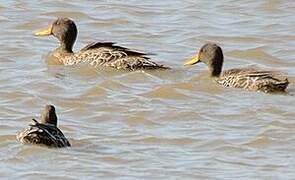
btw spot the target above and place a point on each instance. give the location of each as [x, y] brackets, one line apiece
[194, 60]
[44, 32]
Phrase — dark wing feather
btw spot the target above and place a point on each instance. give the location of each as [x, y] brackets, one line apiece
[43, 134]
[94, 45]
[112, 45]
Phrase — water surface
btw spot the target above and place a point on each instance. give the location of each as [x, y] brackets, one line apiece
[149, 125]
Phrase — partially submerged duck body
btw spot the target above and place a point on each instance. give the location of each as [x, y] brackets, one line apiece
[45, 132]
[245, 78]
[97, 54]
[253, 79]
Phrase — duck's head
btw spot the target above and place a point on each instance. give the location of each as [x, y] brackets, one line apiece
[64, 29]
[49, 115]
[210, 54]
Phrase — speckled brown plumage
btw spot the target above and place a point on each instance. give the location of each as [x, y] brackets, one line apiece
[97, 54]
[44, 133]
[246, 78]
[253, 79]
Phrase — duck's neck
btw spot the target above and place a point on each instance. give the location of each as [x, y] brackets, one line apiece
[65, 47]
[215, 66]
[49, 119]
[215, 71]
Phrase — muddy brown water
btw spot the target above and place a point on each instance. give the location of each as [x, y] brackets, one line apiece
[149, 125]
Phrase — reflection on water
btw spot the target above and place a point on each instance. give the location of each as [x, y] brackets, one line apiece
[173, 124]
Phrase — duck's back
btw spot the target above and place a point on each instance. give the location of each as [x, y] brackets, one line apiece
[43, 134]
[253, 79]
[106, 54]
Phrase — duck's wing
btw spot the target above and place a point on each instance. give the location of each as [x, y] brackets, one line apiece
[113, 46]
[43, 134]
[110, 55]
[254, 79]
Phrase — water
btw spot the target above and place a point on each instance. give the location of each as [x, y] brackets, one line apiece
[149, 125]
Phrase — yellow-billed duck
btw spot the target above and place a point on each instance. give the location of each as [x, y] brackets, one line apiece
[44, 132]
[246, 78]
[97, 54]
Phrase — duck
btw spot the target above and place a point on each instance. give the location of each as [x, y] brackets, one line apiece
[248, 78]
[96, 54]
[45, 132]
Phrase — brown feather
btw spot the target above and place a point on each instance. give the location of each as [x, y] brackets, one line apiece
[253, 79]
[112, 45]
